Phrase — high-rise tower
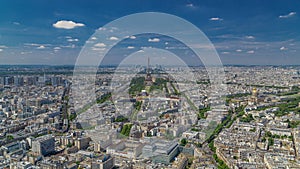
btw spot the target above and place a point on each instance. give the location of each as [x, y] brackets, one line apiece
[148, 78]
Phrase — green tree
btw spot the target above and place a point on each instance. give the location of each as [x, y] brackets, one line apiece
[270, 142]
[183, 142]
[126, 129]
[9, 137]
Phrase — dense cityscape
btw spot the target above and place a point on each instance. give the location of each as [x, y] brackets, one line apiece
[149, 84]
[161, 124]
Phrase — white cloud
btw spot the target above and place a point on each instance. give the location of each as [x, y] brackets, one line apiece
[114, 28]
[239, 50]
[73, 40]
[93, 38]
[140, 51]
[154, 40]
[101, 45]
[283, 48]
[113, 38]
[225, 52]
[132, 37]
[68, 46]
[25, 52]
[166, 43]
[146, 47]
[190, 5]
[102, 29]
[288, 15]
[3, 46]
[56, 49]
[97, 49]
[1, 50]
[176, 47]
[16, 23]
[41, 47]
[63, 24]
[32, 44]
[130, 47]
[199, 46]
[250, 37]
[250, 51]
[216, 19]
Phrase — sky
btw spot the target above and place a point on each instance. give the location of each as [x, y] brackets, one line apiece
[248, 32]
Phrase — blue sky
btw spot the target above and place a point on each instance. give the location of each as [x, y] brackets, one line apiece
[244, 32]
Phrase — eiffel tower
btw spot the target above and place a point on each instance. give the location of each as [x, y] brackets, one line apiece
[148, 78]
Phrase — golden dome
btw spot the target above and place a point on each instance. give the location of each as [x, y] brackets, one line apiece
[254, 92]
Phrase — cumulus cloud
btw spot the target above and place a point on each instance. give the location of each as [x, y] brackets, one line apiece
[112, 29]
[283, 48]
[73, 40]
[250, 37]
[32, 44]
[239, 50]
[132, 37]
[190, 5]
[41, 47]
[130, 47]
[101, 45]
[291, 14]
[154, 40]
[146, 47]
[16, 23]
[200, 46]
[176, 47]
[215, 19]
[140, 51]
[113, 38]
[56, 49]
[64, 24]
[102, 29]
[93, 38]
[250, 51]
[68, 46]
[1, 50]
[98, 49]
[25, 52]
